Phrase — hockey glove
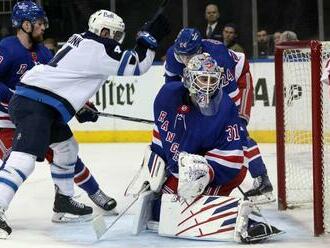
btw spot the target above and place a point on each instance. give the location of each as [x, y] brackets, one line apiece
[194, 175]
[158, 28]
[147, 40]
[87, 113]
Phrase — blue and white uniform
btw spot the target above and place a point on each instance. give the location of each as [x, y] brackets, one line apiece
[79, 69]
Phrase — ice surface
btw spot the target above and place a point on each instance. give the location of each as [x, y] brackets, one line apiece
[114, 165]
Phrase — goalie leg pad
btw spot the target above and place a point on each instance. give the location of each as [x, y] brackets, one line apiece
[203, 218]
[154, 169]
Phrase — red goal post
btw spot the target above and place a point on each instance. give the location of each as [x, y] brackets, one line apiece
[303, 129]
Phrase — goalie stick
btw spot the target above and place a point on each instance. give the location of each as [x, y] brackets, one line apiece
[99, 225]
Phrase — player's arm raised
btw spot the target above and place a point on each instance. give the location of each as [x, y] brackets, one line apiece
[125, 62]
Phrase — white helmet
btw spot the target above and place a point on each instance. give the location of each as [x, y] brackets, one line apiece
[106, 19]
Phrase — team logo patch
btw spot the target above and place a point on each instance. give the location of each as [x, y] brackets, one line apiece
[1, 59]
[183, 109]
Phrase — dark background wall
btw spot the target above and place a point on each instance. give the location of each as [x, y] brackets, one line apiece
[301, 16]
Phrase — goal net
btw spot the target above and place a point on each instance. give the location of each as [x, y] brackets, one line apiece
[303, 129]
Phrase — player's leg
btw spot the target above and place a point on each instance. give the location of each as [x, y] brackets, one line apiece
[261, 185]
[87, 182]
[6, 141]
[252, 154]
[65, 149]
[31, 118]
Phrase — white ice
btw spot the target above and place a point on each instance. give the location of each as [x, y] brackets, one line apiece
[114, 165]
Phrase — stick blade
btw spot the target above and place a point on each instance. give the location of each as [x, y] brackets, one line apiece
[99, 226]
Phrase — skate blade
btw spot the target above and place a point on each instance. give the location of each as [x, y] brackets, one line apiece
[112, 212]
[263, 199]
[3, 234]
[70, 218]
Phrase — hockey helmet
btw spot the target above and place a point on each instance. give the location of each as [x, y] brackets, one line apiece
[106, 19]
[27, 11]
[187, 44]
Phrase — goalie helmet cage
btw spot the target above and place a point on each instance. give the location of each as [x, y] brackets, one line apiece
[303, 129]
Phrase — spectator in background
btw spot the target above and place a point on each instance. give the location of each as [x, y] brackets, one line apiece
[213, 28]
[276, 37]
[4, 32]
[229, 34]
[264, 46]
[288, 36]
[51, 44]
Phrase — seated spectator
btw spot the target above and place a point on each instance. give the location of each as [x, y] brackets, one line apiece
[51, 44]
[276, 37]
[229, 34]
[213, 28]
[288, 36]
[264, 46]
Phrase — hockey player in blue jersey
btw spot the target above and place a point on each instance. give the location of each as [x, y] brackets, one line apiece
[50, 95]
[197, 153]
[18, 54]
[237, 83]
[200, 120]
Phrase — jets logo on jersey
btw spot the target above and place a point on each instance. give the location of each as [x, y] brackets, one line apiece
[1, 59]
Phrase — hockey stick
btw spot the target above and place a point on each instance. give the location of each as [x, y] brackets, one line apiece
[160, 10]
[123, 117]
[99, 224]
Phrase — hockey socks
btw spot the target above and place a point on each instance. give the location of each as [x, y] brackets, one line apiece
[84, 179]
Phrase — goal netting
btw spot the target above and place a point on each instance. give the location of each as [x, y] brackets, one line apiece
[303, 129]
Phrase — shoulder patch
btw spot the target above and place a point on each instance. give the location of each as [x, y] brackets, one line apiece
[1, 59]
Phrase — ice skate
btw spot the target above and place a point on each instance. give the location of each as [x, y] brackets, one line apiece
[262, 191]
[5, 229]
[104, 201]
[68, 210]
[259, 232]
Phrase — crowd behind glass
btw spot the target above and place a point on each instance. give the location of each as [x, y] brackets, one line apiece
[221, 20]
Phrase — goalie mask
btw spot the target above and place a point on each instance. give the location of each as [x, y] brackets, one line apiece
[106, 19]
[202, 77]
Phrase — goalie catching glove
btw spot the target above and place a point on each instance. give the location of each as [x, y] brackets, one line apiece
[87, 113]
[194, 175]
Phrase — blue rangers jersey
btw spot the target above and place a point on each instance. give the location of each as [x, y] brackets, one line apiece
[15, 60]
[179, 126]
[234, 64]
[79, 69]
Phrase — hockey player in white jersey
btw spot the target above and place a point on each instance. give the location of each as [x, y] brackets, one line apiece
[50, 95]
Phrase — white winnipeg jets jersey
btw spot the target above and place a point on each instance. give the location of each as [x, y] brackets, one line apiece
[79, 69]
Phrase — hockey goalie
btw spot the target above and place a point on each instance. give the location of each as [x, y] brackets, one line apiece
[194, 162]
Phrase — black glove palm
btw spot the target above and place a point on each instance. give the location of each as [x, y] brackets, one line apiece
[87, 113]
[158, 28]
